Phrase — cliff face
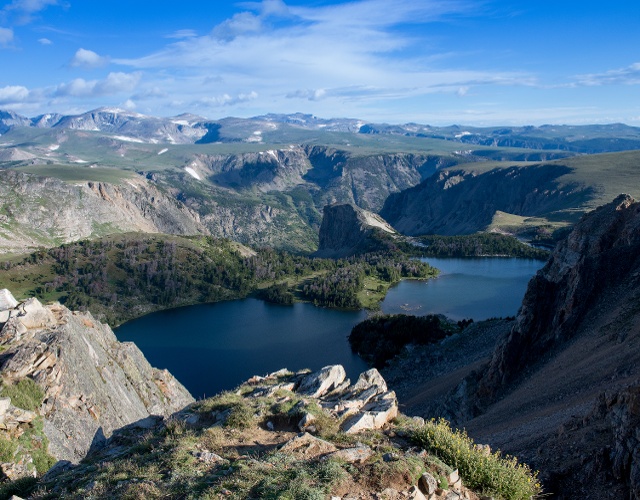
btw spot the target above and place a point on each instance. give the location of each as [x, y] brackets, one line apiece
[38, 211]
[462, 202]
[561, 390]
[600, 257]
[347, 229]
[92, 383]
[558, 386]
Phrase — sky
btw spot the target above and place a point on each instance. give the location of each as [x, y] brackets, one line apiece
[438, 62]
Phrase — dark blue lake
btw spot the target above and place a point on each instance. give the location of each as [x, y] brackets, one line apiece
[466, 288]
[215, 347]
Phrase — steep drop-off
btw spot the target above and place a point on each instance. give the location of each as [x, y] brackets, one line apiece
[560, 389]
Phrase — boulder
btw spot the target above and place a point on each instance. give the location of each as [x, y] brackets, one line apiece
[374, 415]
[7, 301]
[34, 315]
[322, 382]
[355, 455]
[308, 446]
[368, 379]
[428, 484]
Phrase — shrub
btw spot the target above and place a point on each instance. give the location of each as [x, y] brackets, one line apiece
[491, 474]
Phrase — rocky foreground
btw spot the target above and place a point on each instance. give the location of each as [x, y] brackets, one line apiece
[115, 427]
[291, 435]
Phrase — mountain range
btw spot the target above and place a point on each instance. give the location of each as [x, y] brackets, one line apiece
[265, 180]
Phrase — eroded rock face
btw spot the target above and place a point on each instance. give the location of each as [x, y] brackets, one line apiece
[92, 383]
[347, 229]
[52, 211]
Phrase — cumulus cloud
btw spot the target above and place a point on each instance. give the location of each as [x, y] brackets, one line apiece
[13, 94]
[129, 104]
[6, 36]
[624, 76]
[114, 83]
[45, 41]
[88, 59]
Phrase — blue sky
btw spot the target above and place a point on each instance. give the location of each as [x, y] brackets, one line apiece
[440, 62]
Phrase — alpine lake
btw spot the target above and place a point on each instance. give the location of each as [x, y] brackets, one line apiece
[215, 347]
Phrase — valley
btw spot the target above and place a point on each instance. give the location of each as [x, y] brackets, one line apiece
[124, 217]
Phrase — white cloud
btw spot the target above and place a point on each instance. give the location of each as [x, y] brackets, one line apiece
[23, 11]
[6, 36]
[30, 5]
[240, 24]
[309, 94]
[129, 104]
[88, 59]
[45, 41]
[114, 83]
[13, 94]
[624, 76]
[227, 100]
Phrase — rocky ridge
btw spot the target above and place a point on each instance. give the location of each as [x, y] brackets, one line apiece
[91, 383]
[292, 419]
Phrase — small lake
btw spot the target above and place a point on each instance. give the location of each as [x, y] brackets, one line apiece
[215, 347]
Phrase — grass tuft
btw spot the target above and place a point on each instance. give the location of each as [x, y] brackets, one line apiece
[25, 394]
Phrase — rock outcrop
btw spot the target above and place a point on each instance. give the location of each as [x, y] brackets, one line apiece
[347, 230]
[92, 384]
[246, 444]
